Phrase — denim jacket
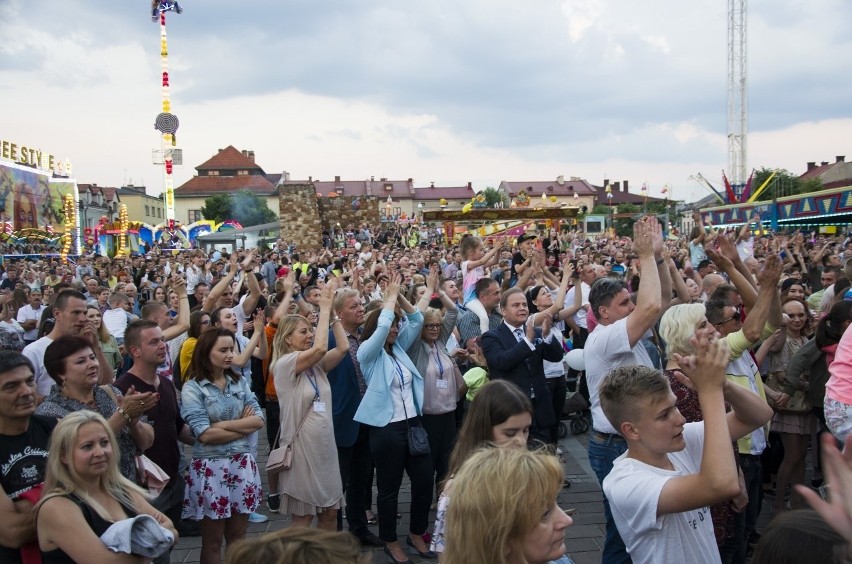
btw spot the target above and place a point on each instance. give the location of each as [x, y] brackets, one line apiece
[203, 403]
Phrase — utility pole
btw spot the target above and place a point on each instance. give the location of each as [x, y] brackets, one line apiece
[737, 95]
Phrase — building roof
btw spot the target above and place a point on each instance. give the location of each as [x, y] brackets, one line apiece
[211, 185]
[435, 193]
[109, 193]
[230, 158]
[381, 188]
[558, 187]
[621, 195]
[833, 175]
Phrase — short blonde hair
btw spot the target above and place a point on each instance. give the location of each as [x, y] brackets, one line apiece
[678, 325]
[499, 496]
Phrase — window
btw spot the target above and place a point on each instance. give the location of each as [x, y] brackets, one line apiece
[194, 215]
[388, 187]
[159, 212]
[212, 173]
[147, 211]
[242, 173]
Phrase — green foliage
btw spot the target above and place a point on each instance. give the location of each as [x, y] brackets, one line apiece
[217, 208]
[243, 206]
[783, 184]
[494, 196]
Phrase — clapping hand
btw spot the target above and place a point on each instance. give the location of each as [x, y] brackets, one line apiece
[706, 368]
[837, 466]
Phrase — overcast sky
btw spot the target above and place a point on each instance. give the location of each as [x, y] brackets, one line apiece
[446, 91]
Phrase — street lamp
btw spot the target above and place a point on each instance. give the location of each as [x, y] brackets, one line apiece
[420, 207]
[644, 191]
[609, 203]
[389, 209]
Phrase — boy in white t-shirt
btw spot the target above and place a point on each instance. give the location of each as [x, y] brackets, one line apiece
[660, 490]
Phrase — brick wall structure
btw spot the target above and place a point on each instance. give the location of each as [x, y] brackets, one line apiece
[303, 217]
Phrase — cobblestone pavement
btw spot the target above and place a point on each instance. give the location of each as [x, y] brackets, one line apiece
[584, 538]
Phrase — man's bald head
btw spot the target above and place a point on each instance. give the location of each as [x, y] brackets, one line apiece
[710, 282]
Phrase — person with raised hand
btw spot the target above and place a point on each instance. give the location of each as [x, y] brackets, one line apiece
[393, 403]
[661, 488]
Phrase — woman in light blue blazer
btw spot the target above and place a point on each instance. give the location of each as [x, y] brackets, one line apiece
[392, 403]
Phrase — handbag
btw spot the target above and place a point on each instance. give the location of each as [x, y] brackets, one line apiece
[281, 457]
[418, 440]
[798, 402]
[149, 475]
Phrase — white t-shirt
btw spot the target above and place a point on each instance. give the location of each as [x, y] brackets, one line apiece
[115, 320]
[35, 352]
[27, 313]
[608, 347]
[580, 317]
[633, 489]
[745, 248]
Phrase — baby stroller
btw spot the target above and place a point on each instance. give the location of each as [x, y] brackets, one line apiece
[574, 412]
[576, 405]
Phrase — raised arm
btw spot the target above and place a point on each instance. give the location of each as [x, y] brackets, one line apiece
[717, 478]
[315, 354]
[767, 300]
[648, 301]
[251, 281]
[220, 287]
[181, 324]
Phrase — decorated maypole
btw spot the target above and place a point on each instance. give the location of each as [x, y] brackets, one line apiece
[70, 227]
[166, 122]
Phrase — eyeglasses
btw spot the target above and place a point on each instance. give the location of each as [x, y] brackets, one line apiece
[432, 325]
[735, 316]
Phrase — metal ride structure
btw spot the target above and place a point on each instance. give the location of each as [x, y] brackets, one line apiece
[166, 122]
[737, 96]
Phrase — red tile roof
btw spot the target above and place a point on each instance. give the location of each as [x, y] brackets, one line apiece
[551, 187]
[209, 185]
[399, 189]
[229, 158]
[447, 192]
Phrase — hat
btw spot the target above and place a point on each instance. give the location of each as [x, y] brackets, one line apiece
[526, 237]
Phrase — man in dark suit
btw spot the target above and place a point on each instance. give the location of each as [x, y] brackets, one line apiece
[515, 351]
[353, 446]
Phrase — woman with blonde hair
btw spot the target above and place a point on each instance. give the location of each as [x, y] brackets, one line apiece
[85, 493]
[300, 545]
[108, 343]
[504, 509]
[300, 363]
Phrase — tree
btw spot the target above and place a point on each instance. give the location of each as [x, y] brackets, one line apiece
[244, 206]
[783, 184]
[495, 196]
[217, 208]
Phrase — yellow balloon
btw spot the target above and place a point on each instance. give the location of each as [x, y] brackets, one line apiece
[467, 208]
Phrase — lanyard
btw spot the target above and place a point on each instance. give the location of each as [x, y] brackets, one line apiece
[313, 381]
[399, 373]
[440, 364]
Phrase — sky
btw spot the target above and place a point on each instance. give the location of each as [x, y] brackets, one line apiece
[439, 90]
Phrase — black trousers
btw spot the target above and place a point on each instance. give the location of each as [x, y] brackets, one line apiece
[441, 430]
[356, 464]
[170, 504]
[558, 391]
[273, 421]
[389, 445]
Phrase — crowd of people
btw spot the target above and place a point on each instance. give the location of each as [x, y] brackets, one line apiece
[710, 364]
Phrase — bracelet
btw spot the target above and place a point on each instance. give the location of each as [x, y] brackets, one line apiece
[125, 415]
[660, 261]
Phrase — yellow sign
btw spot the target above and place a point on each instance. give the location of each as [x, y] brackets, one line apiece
[37, 158]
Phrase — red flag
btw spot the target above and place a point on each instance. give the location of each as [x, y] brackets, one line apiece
[732, 198]
[747, 189]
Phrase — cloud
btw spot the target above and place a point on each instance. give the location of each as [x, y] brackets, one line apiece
[477, 90]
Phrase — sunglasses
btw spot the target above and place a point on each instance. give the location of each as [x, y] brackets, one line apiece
[735, 316]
